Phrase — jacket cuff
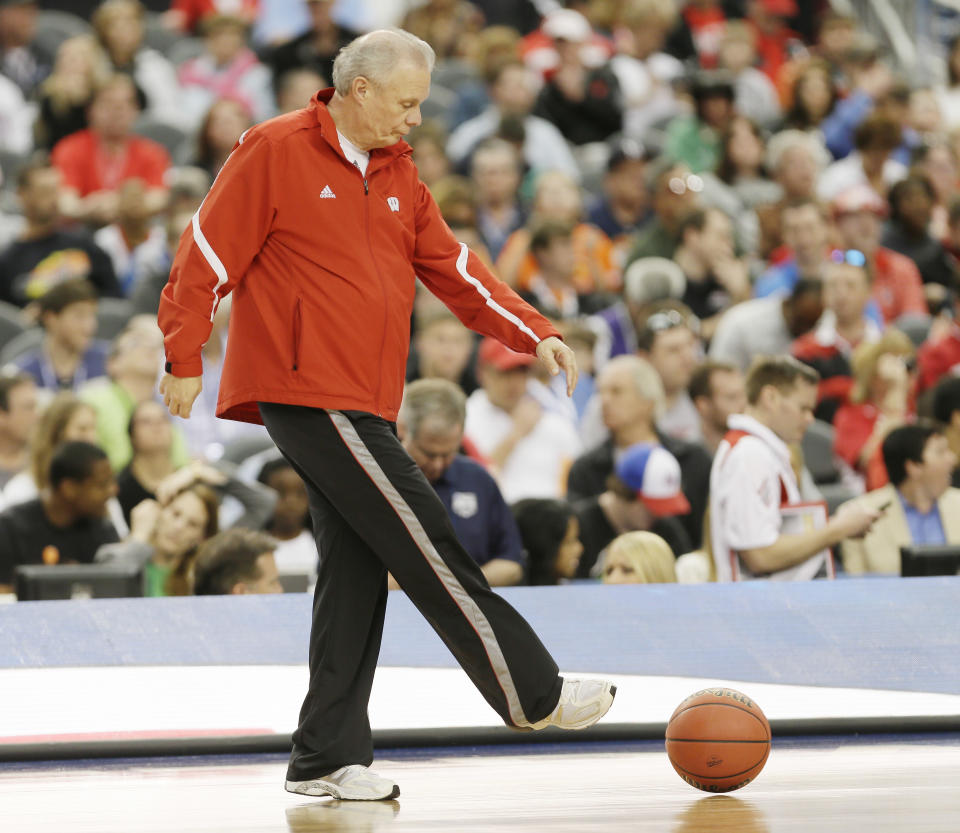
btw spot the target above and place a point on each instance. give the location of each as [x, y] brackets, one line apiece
[185, 369]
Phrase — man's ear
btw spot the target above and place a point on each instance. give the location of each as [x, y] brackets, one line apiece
[360, 87]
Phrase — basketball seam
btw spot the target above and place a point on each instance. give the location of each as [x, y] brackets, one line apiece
[725, 705]
[713, 740]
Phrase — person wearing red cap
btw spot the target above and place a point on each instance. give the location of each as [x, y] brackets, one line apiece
[774, 39]
[530, 449]
[644, 494]
[897, 287]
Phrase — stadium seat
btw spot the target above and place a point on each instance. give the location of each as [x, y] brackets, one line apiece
[113, 314]
[818, 453]
[239, 450]
[176, 141]
[915, 326]
[11, 323]
[26, 341]
[54, 27]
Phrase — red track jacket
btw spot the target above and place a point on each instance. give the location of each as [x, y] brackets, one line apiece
[322, 261]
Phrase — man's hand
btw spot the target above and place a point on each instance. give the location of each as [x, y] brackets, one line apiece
[853, 520]
[179, 393]
[555, 355]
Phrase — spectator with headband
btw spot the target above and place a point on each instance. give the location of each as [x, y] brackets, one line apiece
[753, 484]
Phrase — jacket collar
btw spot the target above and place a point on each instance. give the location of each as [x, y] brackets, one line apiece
[378, 156]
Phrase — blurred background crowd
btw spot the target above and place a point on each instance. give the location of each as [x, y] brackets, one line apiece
[682, 185]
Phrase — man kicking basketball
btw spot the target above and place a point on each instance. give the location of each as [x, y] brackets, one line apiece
[318, 223]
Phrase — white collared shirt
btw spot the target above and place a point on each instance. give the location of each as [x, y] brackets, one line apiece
[749, 482]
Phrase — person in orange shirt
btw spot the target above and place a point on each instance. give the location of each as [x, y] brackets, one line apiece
[558, 197]
[95, 162]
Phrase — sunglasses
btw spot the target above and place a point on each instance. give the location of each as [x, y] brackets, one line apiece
[679, 185]
[665, 320]
[851, 257]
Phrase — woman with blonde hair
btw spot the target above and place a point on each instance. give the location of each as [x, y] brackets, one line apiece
[639, 558]
[881, 400]
[65, 419]
[81, 66]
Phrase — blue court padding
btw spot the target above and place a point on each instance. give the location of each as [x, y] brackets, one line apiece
[881, 633]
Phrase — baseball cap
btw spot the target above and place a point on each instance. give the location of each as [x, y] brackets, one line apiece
[501, 357]
[567, 24]
[654, 473]
[859, 198]
[787, 8]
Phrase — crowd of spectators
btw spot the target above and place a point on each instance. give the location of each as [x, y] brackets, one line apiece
[683, 186]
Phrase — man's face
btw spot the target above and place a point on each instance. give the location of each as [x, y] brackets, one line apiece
[444, 349]
[846, 291]
[391, 109]
[626, 185]
[621, 403]
[513, 92]
[716, 238]
[557, 260]
[936, 470]
[860, 230]
[89, 497]
[805, 231]
[293, 502]
[792, 411]
[727, 396]
[74, 325]
[496, 176]
[268, 577]
[434, 447]
[114, 111]
[797, 173]
[21, 414]
[505, 388]
[40, 197]
[674, 355]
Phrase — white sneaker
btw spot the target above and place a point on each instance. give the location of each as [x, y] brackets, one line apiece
[349, 783]
[582, 703]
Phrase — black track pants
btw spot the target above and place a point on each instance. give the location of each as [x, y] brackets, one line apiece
[374, 511]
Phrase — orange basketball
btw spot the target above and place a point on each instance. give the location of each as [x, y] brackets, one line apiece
[718, 740]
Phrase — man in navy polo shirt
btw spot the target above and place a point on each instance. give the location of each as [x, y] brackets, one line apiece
[431, 425]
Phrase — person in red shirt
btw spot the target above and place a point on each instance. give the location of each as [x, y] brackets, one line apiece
[705, 19]
[897, 286]
[319, 225]
[774, 39]
[95, 162]
[186, 15]
[881, 400]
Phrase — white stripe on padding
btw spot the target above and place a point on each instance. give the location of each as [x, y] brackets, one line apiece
[462, 269]
[211, 257]
[467, 605]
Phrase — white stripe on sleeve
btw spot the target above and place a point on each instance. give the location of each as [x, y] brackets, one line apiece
[462, 269]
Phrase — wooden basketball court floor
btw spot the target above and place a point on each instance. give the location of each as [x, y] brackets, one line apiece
[892, 784]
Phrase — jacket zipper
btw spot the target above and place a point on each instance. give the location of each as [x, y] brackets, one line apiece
[297, 329]
[383, 338]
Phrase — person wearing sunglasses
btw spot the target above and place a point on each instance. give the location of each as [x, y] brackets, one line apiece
[843, 326]
[897, 286]
[675, 194]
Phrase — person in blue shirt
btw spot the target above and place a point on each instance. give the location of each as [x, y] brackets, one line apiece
[430, 425]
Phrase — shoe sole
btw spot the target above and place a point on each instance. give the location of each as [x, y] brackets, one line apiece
[325, 788]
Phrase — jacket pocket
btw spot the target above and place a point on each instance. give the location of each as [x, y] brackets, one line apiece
[297, 331]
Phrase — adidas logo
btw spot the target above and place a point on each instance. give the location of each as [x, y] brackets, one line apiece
[327, 193]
